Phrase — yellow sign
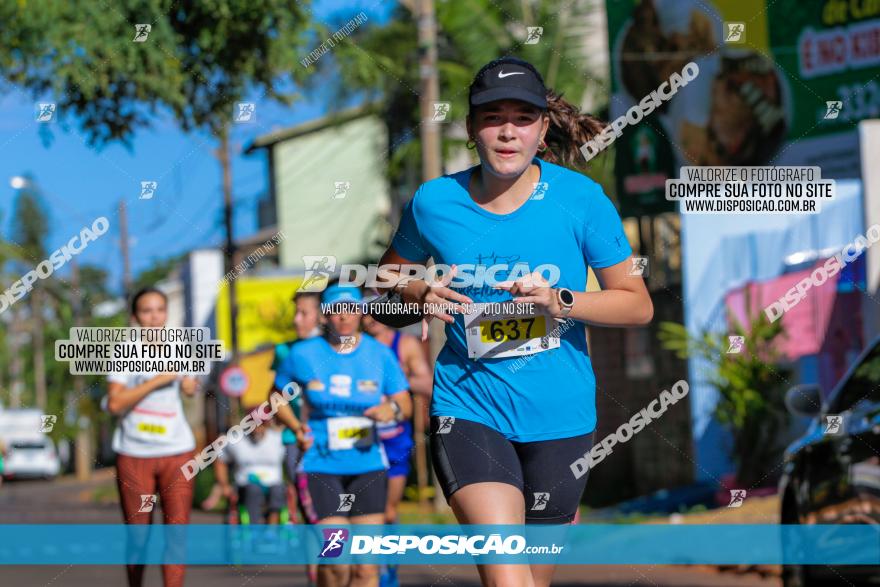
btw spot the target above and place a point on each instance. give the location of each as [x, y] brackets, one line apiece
[265, 311]
[258, 367]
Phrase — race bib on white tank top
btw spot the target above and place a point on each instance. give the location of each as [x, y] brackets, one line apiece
[156, 425]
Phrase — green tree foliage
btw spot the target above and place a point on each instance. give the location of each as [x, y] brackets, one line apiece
[18, 254]
[160, 270]
[199, 59]
[381, 63]
[30, 225]
[93, 285]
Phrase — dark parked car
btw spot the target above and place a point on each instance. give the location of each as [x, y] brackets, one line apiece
[832, 473]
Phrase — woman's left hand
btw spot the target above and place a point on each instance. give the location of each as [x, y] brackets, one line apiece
[534, 289]
[381, 413]
[304, 438]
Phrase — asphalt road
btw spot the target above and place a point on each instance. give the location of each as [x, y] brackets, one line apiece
[66, 501]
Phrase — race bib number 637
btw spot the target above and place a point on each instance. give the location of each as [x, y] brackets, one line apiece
[511, 329]
[508, 330]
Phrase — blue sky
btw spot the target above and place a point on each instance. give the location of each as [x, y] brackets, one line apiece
[79, 183]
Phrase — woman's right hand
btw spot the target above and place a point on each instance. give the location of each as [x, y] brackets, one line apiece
[436, 299]
[217, 491]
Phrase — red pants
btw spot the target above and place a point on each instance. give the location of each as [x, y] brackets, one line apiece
[137, 477]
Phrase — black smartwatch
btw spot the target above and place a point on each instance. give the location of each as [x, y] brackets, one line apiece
[390, 309]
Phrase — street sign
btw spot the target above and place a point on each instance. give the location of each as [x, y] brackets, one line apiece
[234, 381]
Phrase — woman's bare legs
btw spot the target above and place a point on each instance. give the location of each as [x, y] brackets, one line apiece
[333, 575]
[494, 503]
[396, 487]
[366, 575]
[350, 575]
[542, 575]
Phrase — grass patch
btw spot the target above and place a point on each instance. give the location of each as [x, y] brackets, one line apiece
[106, 493]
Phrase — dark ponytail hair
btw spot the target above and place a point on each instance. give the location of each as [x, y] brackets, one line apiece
[569, 130]
[141, 293]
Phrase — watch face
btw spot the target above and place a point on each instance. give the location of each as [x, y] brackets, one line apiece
[566, 296]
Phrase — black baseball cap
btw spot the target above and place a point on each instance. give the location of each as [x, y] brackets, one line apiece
[508, 78]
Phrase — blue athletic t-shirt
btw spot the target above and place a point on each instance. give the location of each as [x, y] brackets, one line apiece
[338, 388]
[569, 222]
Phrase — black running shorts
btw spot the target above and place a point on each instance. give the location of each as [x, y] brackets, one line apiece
[466, 452]
[348, 495]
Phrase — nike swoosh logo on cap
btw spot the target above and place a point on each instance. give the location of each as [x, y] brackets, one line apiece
[501, 73]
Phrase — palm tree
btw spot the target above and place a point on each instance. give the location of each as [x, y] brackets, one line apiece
[10, 257]
[5, 254]
[30, 229]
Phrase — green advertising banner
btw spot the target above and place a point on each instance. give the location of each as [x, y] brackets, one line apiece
[779, 82]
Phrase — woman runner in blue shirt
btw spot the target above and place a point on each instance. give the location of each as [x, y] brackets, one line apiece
[514, 390]
[350, 382]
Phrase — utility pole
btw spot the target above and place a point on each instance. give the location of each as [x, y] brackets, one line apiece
[229, 252]
[37, 340]
[429, 94]
[429, 90]
[16, 362]
[123, 244]
[229, 255]
[82, 445]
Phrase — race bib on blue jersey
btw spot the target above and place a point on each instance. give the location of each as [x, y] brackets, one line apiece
[338, 389]
[349, 432]
[508, 329]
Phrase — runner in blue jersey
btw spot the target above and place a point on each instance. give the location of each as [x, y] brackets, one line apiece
[307, 321]
[514, 392]
[350, 382]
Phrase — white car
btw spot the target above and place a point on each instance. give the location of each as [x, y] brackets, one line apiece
[32, 456]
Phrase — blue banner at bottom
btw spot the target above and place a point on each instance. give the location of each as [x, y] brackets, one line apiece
[414, 544]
